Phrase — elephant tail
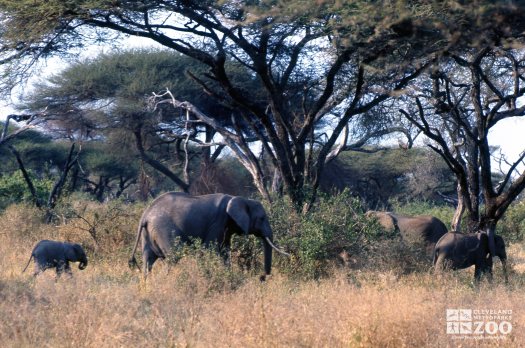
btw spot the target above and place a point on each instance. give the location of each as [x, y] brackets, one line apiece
[132, 260]
[28, 262]
[436, 252]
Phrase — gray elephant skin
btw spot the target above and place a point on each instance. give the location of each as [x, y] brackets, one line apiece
[58, 255]
[458, 251]
[422, 229]
[212, 219]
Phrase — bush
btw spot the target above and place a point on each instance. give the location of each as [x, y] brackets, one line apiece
[202, 270]
[103, 228]
[13, 188]
[335, 225]
[511, 227]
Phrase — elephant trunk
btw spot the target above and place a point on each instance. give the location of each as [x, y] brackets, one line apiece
[267, 258]
[83, 264]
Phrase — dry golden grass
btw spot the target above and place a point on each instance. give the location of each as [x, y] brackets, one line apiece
[186, 305]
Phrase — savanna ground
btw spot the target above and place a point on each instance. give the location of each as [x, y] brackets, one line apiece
[201, 303]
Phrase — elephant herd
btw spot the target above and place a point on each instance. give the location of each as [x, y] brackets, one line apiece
[448, 250]
[175, 218]
[213, 219]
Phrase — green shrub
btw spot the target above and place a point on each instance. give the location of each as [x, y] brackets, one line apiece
[512, 226]
[13, 188]
[334, 225]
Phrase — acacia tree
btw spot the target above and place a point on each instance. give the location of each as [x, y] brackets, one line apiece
[106, 98]
[277, 49]
[314, 61]
[460, 100]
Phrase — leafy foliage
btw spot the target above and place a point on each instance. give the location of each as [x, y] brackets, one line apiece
[512, 227]
[337, 224]
[13, 189]
[381, 176]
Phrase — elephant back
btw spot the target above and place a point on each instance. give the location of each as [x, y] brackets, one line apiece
[421, 229]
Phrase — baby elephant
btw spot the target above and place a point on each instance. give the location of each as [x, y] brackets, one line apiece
[458, 251]
[49, 254]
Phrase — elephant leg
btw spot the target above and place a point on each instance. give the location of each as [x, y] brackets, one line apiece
[38, 269]
[226, 256]
[61, 267]
[67, 269]
[439, 264]
[478, 270]
[225, 253]
[487, 268]
[489, 275]
[149, 258]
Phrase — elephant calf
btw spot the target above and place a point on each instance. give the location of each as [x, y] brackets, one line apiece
[458, 251]
[58, 255]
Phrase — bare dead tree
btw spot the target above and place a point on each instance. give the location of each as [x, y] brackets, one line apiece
[233, 138]
[5, 136]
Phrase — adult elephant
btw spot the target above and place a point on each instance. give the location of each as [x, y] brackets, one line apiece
[212, 219]
[458, 251]
[415, 230]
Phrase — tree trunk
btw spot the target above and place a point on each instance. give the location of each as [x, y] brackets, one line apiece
[156, 164]
[277, 186]
[27, 179]
[460, 208]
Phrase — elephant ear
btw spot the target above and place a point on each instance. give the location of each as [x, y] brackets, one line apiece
[69, 251]
[238, 210]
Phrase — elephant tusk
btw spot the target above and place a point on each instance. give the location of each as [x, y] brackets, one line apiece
[276, 248]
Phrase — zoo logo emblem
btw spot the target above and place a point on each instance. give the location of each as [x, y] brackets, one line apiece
[495, 323]
[459, 321]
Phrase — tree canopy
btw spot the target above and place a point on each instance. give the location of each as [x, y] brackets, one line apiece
[319, 64]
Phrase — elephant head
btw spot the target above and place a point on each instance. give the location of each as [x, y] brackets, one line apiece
[75, 253]
[250, 218]
[386, 219]
[483, 244]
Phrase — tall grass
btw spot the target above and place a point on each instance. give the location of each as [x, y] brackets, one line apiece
[200, 303]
